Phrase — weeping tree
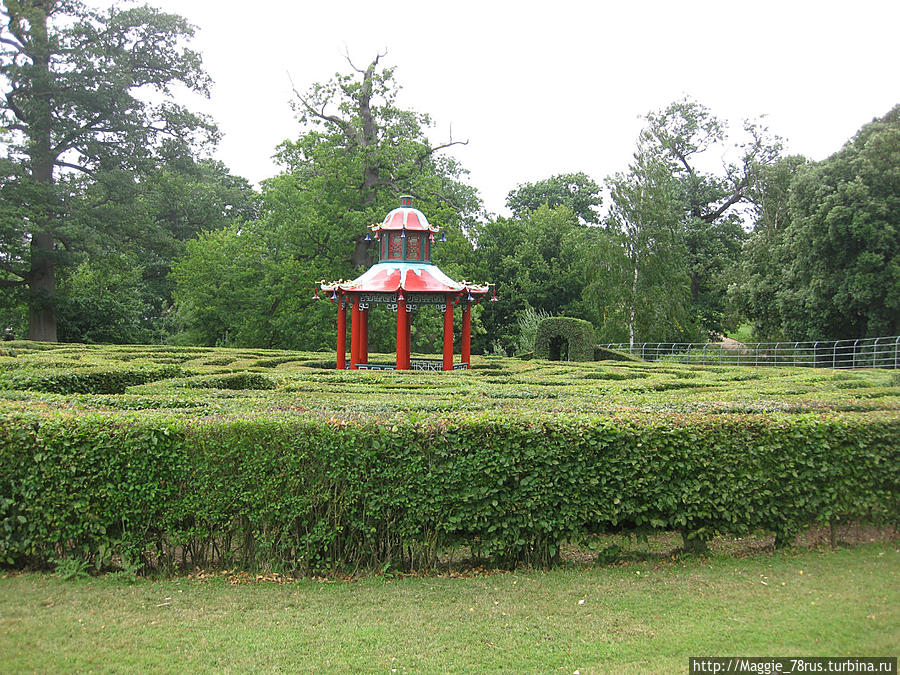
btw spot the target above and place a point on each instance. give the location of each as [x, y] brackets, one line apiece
[641, 280]
[86, 105]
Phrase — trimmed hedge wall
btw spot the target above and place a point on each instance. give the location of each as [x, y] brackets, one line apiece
[604, 354]
[94, 380]
[578, 333]
[306, 495]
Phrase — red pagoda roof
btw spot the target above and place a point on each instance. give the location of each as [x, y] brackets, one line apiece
[389, 277]
[405, 218]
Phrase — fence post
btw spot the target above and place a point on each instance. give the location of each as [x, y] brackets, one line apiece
[896, 344]
[796, 349]
[816, 355]
[854, 353]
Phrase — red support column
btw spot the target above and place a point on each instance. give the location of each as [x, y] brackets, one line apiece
[364, 337]
[402, 336]
[448, 335]
[408, 340]
[467, 334]
[342, 335]
[354, 334]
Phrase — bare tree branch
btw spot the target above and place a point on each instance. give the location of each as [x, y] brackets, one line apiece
[738, 195]
[76, 167]
[6, 267]
[12, 43]
[428, 153]
[345, 127]
[378, 57]
[4, 283]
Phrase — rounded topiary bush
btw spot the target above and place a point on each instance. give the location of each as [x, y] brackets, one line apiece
[562, 338]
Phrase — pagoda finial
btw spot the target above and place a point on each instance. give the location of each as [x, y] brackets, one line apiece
[406, 200]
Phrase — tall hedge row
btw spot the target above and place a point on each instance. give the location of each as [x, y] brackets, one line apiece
[94, 380]
[302, 495]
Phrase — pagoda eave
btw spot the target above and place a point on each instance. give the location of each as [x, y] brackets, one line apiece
[391, 277]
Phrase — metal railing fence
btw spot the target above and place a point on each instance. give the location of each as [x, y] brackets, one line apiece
[881, 352]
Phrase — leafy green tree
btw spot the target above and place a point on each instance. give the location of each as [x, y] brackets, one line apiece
[356, 154]
[178, 201]
[534, 262]
[823, 261]
[762, 274]
[220, 289]
[681, 136]
[576, 191]
[638, 277]
[844, 240]
[102, 301]
[154, 215]
[86, 100]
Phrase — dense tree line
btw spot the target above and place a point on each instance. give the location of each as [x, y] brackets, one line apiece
[824, 257]
[114, 227]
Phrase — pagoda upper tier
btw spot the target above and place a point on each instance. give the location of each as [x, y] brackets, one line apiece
[405, 234]
[405, 237]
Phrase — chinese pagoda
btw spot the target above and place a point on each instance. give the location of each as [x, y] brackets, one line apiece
[404, 280]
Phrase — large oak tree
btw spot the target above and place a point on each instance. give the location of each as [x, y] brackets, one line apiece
[86, 105]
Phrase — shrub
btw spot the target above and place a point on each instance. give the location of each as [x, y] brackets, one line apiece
[307, 494]
[560, 331]
[528, 323]
[242, 380]
[339, 468]
[605, 354]
[96, 380]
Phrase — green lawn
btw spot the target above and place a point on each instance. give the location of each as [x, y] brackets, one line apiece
[646, 616]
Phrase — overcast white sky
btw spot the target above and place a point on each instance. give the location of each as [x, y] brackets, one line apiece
[550, 87]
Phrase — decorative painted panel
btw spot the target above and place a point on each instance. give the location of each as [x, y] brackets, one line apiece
[413, 247]
[395, 247]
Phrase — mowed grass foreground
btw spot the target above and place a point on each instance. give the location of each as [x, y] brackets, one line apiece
[646, 616]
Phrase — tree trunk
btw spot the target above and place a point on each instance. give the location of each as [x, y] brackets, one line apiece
[42, 277]
[42, 289]
[362, 252]
[634, 286]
